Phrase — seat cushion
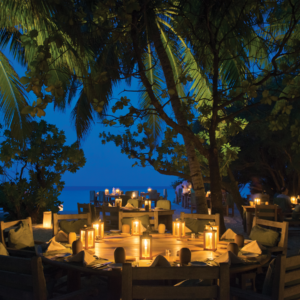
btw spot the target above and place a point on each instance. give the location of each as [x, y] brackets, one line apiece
[72, 226]
[144, 220]
[266, 237]
[166, 204]
[134, 202]
[20, 237]
[196, 225]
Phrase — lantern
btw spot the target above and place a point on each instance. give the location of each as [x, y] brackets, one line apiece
[214, 227]
[146, 246]
[133, 195]
[136, 227]
[47, 219]
[118, 202]
[178, 228]
[147, 205]
[293, 200]
[149, 190]
[99, 229]
[210, 239]
[87, 237]
[117, 191]
[209, 211]
[257, 201]
[106, 191]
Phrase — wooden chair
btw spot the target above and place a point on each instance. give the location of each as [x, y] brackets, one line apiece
[214, 218]
[153, 217]
[165, 194]
[111, 216]
[285, 283]
[4, 235]
[23, 278]
[218, 290]
[84, 208]
[283, 226]
[57, 218]
[266, 211]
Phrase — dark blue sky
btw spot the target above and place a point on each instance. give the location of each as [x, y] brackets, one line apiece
[105, 164]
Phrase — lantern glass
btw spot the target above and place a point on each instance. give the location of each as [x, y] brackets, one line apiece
[99, 229]
[118, 202]
[117, 191]
[293, 200]
[146, 246]
[178, 228]
[257, 201]
[149, 189]
[209, 211]
[210, 239]
[213, 227]
[47, 219]
[133, 195]
[136, 227]
[87, 237]
[106, 191]
[148, 203]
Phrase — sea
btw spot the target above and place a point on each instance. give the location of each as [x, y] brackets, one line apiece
[71, 195]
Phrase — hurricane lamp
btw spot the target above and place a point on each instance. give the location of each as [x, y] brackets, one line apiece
[118, 202]
[136, 227]
[257, 201]
[294, 200]
[147, 205]
[99, 229]
[106, 191]
[146, 246]
[87, 237]
[149, 189]
[210, 239]
[47, 219]
[178, 228]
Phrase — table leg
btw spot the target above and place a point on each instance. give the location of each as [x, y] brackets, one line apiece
[73, 280]
[169, 222]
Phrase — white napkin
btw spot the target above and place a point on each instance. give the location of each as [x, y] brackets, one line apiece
[229, 257]
[109, 205]
[228, 235]
[160, 261]
[61, 236]
[129, 205]
[54, 246]
[186, 230]
[144, 228]
[83, 256]
[253, 247]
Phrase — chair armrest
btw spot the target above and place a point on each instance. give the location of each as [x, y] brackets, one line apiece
[81, 294]
[247, 294]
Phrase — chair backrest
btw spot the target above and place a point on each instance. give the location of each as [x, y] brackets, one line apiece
[165, 194]
[101, 197]
[134, 202]
[84, 208]
[153, 195]
[179, 193]
[218, 290]
[166, 204]
[5, 225]
[284, 226]
[287, 274]
[57, 218]
[111, 215]
[153, 217]
[214, 218]
[129, 193]
[92, 197]
[267, 212]
[26, 274]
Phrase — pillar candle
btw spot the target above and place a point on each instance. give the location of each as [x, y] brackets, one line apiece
[161, 228]
[125, 228]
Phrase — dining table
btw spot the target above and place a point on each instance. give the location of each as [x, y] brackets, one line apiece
[104, 252]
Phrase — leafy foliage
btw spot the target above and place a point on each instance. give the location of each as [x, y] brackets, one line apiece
[41, 163]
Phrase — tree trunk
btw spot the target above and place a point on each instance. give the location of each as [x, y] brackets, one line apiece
[195, 170]
[236, 195]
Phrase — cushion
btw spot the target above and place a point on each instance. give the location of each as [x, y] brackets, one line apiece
[196, 225]
[3, 250]
[144, 220]
[266, 237]
[166, 204]
[20, 237]
[296, 212]
[72, 226]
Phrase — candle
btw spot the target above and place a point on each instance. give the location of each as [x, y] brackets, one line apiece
[161, 228]
[72, 237]
[146, 252]
[125, 228]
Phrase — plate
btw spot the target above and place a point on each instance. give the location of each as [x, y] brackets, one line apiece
[115, 230]
[198, 263]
